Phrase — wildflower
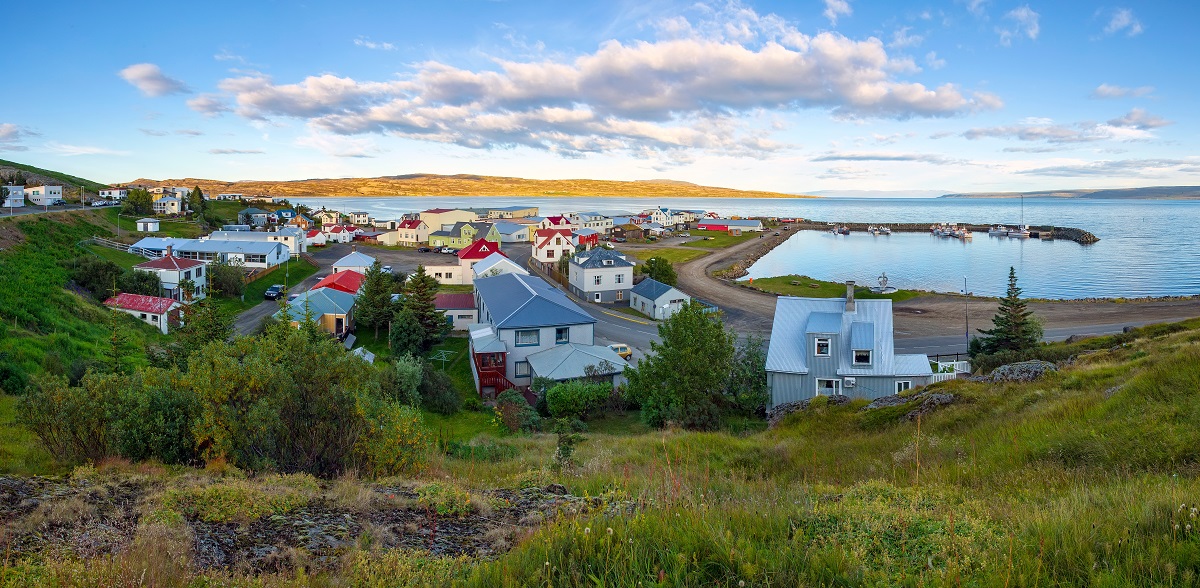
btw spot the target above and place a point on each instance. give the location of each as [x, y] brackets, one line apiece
[587, 530]
[547, 564]
[741, 583]
[1187, 528]
[610, 530]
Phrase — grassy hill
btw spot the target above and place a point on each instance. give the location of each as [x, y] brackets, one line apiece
[462, 185]
[39, 175]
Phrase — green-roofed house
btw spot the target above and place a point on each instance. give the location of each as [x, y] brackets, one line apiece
[332, 309]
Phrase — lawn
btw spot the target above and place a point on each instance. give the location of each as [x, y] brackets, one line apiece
[674, 255]
[299, 270]
[783, 285]
[720, 239]
[185, 229]
[121, 258]
[456, 288]
[20, 452]
[631, 312]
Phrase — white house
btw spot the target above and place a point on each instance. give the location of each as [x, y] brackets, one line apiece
[173, 271]
[601, 275]
[229, 196]
[315, 238]
[114, 194]
[291, 237]
[461, 273]
[593, 220]
[339, 233]
[167, 205]
[43, 195]
[551, 245]
[251, 254]
[514, 233]
[496, 264]
[147, 225]
[459, 309]
[656, 299]
[360, 218]
[154, 310]
[557, 222]
[15, 197]
[354, 261]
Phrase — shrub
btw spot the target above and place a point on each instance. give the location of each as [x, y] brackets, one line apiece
[577, 398]
[72, 422]
[241, 500]
[515, 414]
[437, 391]
[396, 440]
[401, 380]
[13, 378]
[445, 499]
[154, 419]
[95, 274]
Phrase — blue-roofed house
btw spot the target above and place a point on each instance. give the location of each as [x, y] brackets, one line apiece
[332, 309]
[521, 317]
[832, 346]
[656, 299]
[514, 233]
[601, 275]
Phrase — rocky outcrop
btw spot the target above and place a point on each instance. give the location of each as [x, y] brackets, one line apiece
[781, 411]
[1024, 371]
[922, 403]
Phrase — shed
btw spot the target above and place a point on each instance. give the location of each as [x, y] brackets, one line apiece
[147, 225]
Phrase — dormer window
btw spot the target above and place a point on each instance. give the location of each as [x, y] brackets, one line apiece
[821, 349]
[862, 357]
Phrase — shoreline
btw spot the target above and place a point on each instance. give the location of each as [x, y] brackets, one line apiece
[1048, 232]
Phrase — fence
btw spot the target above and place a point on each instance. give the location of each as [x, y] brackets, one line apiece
[119, 246]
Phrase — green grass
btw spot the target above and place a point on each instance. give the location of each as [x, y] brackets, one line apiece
[297, 270]
[459, 365]
[720, 239]
[629, 310]
[184, 229]
[89, 185]
[783, 285]
[121, 258]
[456, 288]
[20, 452]
[674, 255]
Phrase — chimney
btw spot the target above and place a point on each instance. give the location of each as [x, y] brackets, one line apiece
[353, 248]
[850, 296]
[167, 253]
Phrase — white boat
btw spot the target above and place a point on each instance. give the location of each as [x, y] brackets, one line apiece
[998, 231]
[1021, 232]
[885, 230]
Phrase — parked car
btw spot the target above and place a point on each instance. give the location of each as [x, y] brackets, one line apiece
[423, 250]
[622, 350]
[449, 250]
[387, 269]
[685, 234]
[619, 239]
[776, 233]
[274, 292]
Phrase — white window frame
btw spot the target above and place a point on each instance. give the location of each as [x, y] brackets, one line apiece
[537, 337]
[817, 346]
[869, 356]
[521, 366]
[837, 386]
[903, 386]
[597, 297]
[596, 280]
[566, 331]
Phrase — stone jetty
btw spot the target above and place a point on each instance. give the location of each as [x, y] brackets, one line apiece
[1035, 232]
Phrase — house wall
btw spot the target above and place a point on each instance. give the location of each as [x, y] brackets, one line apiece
[413, 236]
[461, 318]
[521, 236]
[450, 274]
[436, 220]
[582, 334]
[160, 321]
[583, 283]
[660, 309]
[786, 388]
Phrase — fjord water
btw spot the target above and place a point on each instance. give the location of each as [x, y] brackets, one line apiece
[1147, 247]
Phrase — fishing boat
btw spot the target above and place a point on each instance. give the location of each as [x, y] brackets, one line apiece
[844, 231]
[1021, 232]
[874, 230]
[885, 230]
[998, 231]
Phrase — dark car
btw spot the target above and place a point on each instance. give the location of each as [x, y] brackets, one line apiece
[274, 292]
[776, 233]
[423, 250]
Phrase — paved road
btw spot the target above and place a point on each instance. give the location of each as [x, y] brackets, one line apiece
[957, 343]
[4, 212]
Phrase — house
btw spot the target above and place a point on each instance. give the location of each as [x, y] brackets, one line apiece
[585, 239]
[147, 225]
[575, 361]
[463, 234]
[173, 271]
[44, 195]
[301, 222]
[412, 232]
[114, 194]
[831, 346]
[328, 217]
[551, 245]
[512, 212]
[168, 205]
[593, 220]
[459, 309]
[656, 215]
[254, 216]
[291, 237]
[339, 233]
[388, 238]
[724, 224]
[557, 222]
[348, 281]
[494, 265]
[653, 229]
[360, 218]
[521, 316]
[332, 309]
[315, 238]
[628, 231]
[154, 310]
[656, 299]
[601, 275]
[441, 219]
[14, 196]
[251, 254]
[285, 214]
[355, 261]
[513, 232]
[230, 196]
[468, 256]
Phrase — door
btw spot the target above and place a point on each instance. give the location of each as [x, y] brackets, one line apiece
[829, 387]
[338, 324]
[597, 297]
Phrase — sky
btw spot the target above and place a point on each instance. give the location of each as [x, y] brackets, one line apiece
[791, 96]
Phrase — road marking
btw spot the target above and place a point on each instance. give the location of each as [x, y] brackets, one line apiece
[632, 320]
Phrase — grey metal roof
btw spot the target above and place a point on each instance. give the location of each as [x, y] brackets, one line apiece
[570, 360]
[788, 351]
[355, 259]
[824, 322]
[652, 289]
[862, 335]
[226, 246]
[518, 301]
[147, 220]
[913, 365]
[494, 259]
[510, 228]
[596, 258]
[481, 229]
[484, 339]
[157, 243]
[320, 302]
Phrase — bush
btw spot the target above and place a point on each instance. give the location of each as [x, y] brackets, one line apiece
[72, 422]
[575, 399]
[96, 275]
[226, 279]
[437, 391]
[13, 378]
[444, 499]
[401, 380]
[396, 442]
[154, 420]
[514, 412]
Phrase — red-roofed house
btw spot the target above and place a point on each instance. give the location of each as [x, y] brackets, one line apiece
[557, 222]
[459, 309]
[467, 257]
[413, 232]
[348, 281]
[551, 245]
[173, 271]
[340, 233]
[315, 238]
[155, 310]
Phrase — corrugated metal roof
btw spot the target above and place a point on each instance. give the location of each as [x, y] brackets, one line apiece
[141, 303]
[355, 259]
[518, 301]
[484, 339]
[913, 365]
[319, 302]
[862, 335]
[495, 259]
[652, 289]
[570, 360]
[224, 246]
[596, 258]
[788, 350]
[510, 228]
[824, 322]
[454, 301]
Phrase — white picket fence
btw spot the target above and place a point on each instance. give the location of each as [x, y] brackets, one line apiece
[119, 246]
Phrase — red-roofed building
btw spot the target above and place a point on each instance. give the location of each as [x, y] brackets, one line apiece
[173, 271]
[461, 274]
[340, 233]
[557, 222]
[348, 281]
[413, 232]
[459, 309]
[551, 245]
[154, 310]
[479, 250]
[315, 238]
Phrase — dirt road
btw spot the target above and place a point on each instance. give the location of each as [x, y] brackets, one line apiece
[746, 311]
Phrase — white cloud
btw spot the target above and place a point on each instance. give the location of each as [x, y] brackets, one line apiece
[73, 150]
[1024, 22]
[1111, 91]
[1123, 20]
[836, 8]
[152, 82]
[901, 39]
[933, 61]
[845, 173]
[209, 105]
[11, 136]
[369, 44]
[1134, 126]
[154, 132]
[189, 132]
[227, 55]
[340, 146]
[976, 7]
[931, 158]
[1139, 119]
[236, 151]
[1138, 168]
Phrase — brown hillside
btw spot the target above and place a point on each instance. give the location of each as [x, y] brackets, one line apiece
[462, 185]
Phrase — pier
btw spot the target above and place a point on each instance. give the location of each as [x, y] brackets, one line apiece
[1035, 232]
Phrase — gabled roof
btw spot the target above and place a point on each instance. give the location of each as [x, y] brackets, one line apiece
[601, 258]
[571, 360]
[491, 261]
[796, 319]
[355, 259]
[543, 236]
[410, 224]
[652, 289]
[141, 303]
[456, 301]
[518, 301]
[320, 302]
[558, 220]
[312, 234]
[168, 262]
[147, 220]
[479, 249]
[253, 211]
[481, 228]
[586, 232]
[505, 228]
[348, 281]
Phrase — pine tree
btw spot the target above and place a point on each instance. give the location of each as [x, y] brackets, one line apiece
[1013, 328]
[195, 200]
[374, 305]
[420, 299]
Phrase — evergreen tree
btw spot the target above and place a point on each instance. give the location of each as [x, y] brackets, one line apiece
[420, 299]
[659, 268]
[1013, 328]
[195, 200]
[138, 201]
[374, 306]
[407, 336]
[203, 323]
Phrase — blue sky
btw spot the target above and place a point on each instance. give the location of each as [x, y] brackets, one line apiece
[965, 95]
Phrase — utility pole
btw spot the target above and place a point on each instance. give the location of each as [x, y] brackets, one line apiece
[966, 316]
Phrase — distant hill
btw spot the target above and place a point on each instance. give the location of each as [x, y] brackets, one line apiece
[36, 175]
[1147, 193]
[463, 185]
[879, 193]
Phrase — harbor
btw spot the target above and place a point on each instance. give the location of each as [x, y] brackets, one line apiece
[946, 229]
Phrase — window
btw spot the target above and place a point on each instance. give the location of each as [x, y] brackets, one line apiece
[154, 317]
[187, 275]
[862, 356]
[562, 335]
[597, 297]
[437, 274]
[528, 338]
[829, 387]
[902, 386]
[596, 280]
[464, 316]
[143, 315]
[449, 275]
[620, 295]
[521, 369]
[199, 272]
[821, 349]
[620, 278]
[550, 253]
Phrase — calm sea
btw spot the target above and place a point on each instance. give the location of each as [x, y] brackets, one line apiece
[1147, 247]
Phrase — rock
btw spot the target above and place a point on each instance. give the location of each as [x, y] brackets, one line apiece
[931, 402]
[1024, 371]
[778, 413]
[556, 489]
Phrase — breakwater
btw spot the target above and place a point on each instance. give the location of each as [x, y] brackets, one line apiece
[1035, 232]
